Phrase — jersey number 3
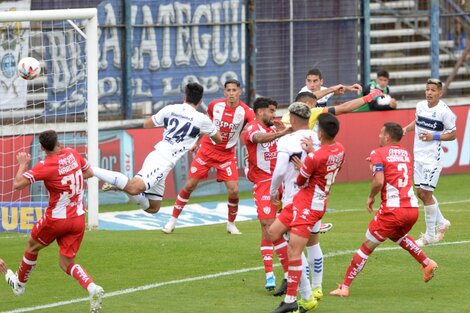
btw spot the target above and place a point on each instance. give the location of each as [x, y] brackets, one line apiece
[403, 182]
[75, 183]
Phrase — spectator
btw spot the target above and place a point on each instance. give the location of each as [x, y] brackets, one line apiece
[381, 83]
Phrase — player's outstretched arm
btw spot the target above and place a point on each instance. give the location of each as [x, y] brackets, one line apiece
[20, 181]
[409, 128]
[268, 137]
[336, 89]
[356, 103]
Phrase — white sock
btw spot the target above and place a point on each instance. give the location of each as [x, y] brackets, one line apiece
[304, 285]
[430, 215]
[315, 262]
[91, 288]
[439, 218]
[115, 178]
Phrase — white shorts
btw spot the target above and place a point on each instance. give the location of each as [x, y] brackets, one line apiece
[426, 175]
[154, 172]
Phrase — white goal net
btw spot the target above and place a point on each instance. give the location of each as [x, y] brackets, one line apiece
[63, 98]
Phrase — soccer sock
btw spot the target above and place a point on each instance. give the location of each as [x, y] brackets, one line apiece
[232, 209]
[280, 246]
[407, 242]
[181, 200]
[357, 264]
[266, 247]
[79, 273]
[27, 266]
[430, 215]
[439, 218]
[304, 285]
[315, 262]
[115, 178]
[295, 274]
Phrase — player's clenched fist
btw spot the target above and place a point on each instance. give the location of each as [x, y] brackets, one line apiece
[23, 157]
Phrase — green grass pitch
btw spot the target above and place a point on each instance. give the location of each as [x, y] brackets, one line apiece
[203, 269]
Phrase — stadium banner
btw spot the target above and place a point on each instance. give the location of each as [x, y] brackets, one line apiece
[14, 38]
[167, 52]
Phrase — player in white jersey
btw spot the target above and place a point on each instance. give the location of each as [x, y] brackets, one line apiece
[314, 84]
[434, 123]
[289, 147]
[183, 126]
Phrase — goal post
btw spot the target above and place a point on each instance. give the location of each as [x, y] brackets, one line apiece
[34, 118]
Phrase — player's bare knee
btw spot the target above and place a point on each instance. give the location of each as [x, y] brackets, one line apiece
[152, 210]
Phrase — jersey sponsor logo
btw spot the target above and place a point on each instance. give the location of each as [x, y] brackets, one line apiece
[268, 156]
[429, 124]
[270, 144]
[265, 198]
[223, 124]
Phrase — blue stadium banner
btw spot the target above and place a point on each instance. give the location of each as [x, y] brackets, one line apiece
[173, 43]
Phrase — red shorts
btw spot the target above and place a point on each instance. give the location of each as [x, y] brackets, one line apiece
[304, 221]
[266, 210]
[226, 165]
[286, 215]
[68, 233]
[392, 223]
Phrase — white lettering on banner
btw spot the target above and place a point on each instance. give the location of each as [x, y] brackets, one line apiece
[164, 46]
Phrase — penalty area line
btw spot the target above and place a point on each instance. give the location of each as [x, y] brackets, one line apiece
[191, 279]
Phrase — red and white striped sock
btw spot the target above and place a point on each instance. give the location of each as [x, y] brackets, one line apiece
[27, 266]
[266, 247]
[181, 200]
[79, 273]
[357, 264]
[293, 280]
[280, 246]
[232, 209]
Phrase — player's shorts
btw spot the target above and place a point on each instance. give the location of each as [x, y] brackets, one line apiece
[303, 224]
[266, 210]
[68, 233]
[225, 164]
[392, 223]
[286, 215]
[426, 175]
[154, 172]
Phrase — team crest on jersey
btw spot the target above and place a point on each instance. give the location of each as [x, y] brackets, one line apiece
[434, 114]
[239, 116]
[267, 210]
[193, 169]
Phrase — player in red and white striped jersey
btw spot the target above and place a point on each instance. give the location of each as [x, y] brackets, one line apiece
[63, 171]
[230, 115]
[398, 212]
[260, 138]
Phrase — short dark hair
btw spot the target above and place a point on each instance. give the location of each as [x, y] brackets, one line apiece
[263, 102]
[48, 139]
[329, 124]
[314, 71]
[231, 81]
[304, 96]
[435, 81]
[383, 73]
[194, 93]
[394, 130]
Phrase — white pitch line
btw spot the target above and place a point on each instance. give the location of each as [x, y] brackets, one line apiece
[191, 279]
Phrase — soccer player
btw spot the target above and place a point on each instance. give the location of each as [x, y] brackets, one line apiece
[398, 212]
[315, 179]
[63, 171]
[289, 148]
[381, 83]
[230, 115]
[183, 126]
[434, 122]
[314, 83]
[260, 138]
